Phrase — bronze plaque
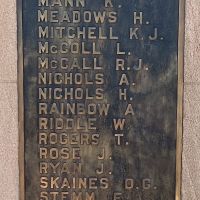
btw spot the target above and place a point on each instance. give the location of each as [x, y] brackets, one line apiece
[100, 99]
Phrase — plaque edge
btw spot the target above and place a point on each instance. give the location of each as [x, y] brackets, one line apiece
[180, 98]
[20, 91]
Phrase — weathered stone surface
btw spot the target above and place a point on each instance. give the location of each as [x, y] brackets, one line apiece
[9, 141]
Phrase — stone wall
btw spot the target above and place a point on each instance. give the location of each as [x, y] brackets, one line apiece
[191, 147]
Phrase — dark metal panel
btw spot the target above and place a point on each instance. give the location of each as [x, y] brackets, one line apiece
[148, 158]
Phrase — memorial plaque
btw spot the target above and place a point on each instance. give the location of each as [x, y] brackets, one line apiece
[100, 99]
